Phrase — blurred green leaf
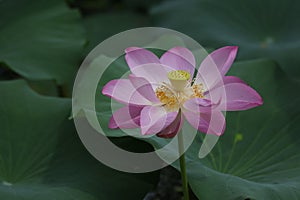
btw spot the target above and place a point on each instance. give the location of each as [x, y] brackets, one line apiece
[102, 26]
[41, 40]
[260, 28]
[264, 162]
[41, 156]
[137, 4]
[45, 87]
[258, 156]
[88, 6]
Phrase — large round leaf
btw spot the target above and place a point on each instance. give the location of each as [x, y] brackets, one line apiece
[102, 26]
[260, 28]
[258, 156]
[41, 39]
[41, 156]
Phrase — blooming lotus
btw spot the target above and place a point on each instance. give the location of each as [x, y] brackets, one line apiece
[160, 92]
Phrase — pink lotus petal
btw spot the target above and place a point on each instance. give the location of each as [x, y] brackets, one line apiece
[136, 56]
[148, 72]
[210, 123]
[173, 128]
[155, 74]
[218, 96]
[216, 65]
[144, 88]
[126, 117]
[179, 58]
[155, 118]
[198, 105]
[129, 49]
[239, 96]
[227, 80]
[232, 79]
[224, 58]
[123, 91]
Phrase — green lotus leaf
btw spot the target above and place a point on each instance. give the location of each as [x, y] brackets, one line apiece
[41, 40]
[102, 26]
[260, 28]
[41, 156]
[258, 156]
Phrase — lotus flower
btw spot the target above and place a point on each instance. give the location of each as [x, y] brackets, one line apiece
[160, 92]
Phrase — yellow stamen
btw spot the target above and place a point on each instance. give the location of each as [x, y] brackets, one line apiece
[167, 97]
[198, 90]
[173, 96]
[179, 79]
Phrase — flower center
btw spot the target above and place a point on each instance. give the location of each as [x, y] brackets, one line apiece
[167, 97]
[179, 79]
[173, 95]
